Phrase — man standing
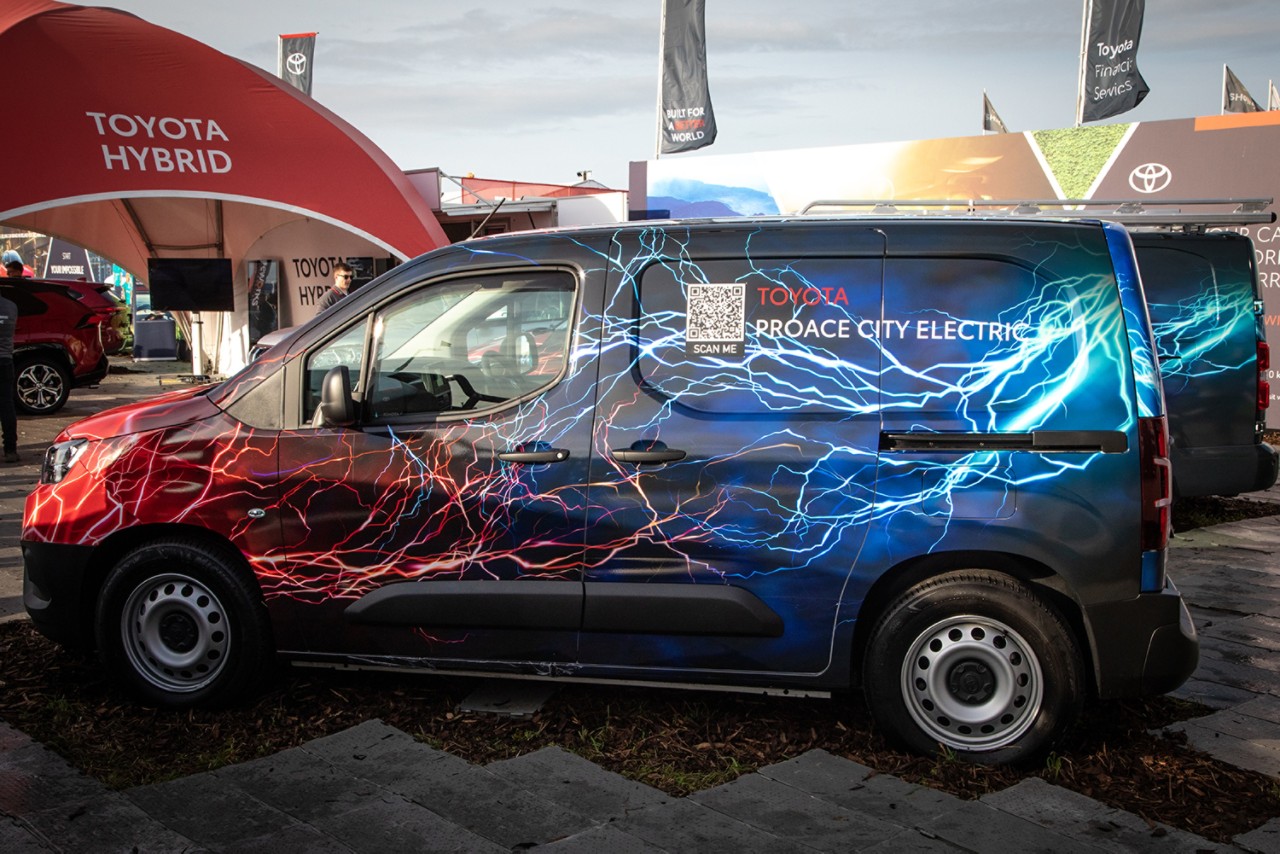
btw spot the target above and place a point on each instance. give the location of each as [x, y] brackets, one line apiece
[14, 268]
[8, 415]
[342, 276]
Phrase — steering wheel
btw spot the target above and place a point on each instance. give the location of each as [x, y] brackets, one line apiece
[473, 397]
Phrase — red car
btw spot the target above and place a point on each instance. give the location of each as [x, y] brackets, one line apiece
[57, 344]
[116, 323]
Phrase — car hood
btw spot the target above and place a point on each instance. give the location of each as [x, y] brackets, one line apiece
[168, 410]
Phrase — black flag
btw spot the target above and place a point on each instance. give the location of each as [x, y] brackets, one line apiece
[1110, 81]
[1236, 98]
[685, 116]
[297, 52]
[990, 118]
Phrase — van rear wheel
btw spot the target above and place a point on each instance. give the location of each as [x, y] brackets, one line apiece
[974, 662]
[181, 626]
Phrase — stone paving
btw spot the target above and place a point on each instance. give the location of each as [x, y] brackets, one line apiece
[374, 788]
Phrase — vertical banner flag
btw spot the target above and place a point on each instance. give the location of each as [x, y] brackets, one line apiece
[294, 62]
[1236, 98]
[684, 104]
[990, 118]
[1273, 97]
[1110, 82]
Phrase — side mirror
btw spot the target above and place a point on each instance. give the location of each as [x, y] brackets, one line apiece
[336, 408]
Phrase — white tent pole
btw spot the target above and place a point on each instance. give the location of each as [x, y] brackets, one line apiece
[1086, 12]
[662, 46]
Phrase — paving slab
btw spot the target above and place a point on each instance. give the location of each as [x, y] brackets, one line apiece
[203, 808]
[1081, 818]
[778, 808]
[597, 839]
[978, 826]
[1215, 695]
[685, 825]
[17, 838]
[1221, 745]
[1264, 840]
[398, 825]
[300, 784]
[381, 753]
[471, 797]
[568, 780]
[1251, 631]
[914, 842]
[60, 807]
[856, 787]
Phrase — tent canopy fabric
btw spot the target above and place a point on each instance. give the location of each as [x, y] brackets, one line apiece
[139, 142]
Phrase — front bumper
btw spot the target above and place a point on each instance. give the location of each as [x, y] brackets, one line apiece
[1143, 646]
[55, 591]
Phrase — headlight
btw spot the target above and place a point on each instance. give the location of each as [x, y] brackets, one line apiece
[59, 459]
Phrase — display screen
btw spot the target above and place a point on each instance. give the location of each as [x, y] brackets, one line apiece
[190, 284]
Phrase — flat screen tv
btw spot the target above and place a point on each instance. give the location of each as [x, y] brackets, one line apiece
[191, 284]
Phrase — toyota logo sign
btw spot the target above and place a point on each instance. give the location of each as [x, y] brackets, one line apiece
[296, 63]
[1150, 177]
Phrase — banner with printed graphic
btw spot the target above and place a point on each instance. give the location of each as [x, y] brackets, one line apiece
[296, 60]
[686, 119]
[1110, 81]
[1236, 98]
[263, 298]
[991, 120]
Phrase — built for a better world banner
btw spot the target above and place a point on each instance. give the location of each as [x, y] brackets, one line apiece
[687, 121]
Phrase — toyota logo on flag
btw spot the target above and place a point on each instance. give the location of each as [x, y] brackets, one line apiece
[296, 63]
[1150, 177]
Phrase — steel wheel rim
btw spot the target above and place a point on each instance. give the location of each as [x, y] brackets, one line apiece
[39, 386]
[972, 683]
[175, 633]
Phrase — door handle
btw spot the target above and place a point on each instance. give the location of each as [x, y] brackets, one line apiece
[537, 455]
[648, 452]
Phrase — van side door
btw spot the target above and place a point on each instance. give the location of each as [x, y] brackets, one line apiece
[735, 448]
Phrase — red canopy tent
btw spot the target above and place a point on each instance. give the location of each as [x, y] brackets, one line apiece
[136, 142]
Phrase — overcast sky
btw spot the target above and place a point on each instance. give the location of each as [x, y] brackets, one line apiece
[537, 91]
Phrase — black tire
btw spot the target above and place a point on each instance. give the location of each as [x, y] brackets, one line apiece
[181, 625]
[42, 384]
[974, 662]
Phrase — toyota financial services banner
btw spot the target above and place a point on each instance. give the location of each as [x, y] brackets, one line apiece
[1111, 82]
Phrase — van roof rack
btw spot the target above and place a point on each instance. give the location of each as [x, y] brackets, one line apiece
[1134, 213]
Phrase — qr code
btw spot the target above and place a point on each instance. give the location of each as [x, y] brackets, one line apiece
[717, 313]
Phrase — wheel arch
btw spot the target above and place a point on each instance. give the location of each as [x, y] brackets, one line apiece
[1046, 583]
[113, 549]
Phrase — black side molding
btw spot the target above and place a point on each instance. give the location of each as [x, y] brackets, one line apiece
[1041, 441]
[678, 609]
[534, 604]
[607, 606]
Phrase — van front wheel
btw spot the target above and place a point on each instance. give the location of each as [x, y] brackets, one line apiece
[974, 662]
[181, 626]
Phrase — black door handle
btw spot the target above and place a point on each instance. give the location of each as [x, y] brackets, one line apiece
[544, 455]
[648, 452]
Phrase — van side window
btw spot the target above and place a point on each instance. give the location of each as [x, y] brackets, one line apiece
[765, 337]
[984, 343]
[347, 349]
[472, 343]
